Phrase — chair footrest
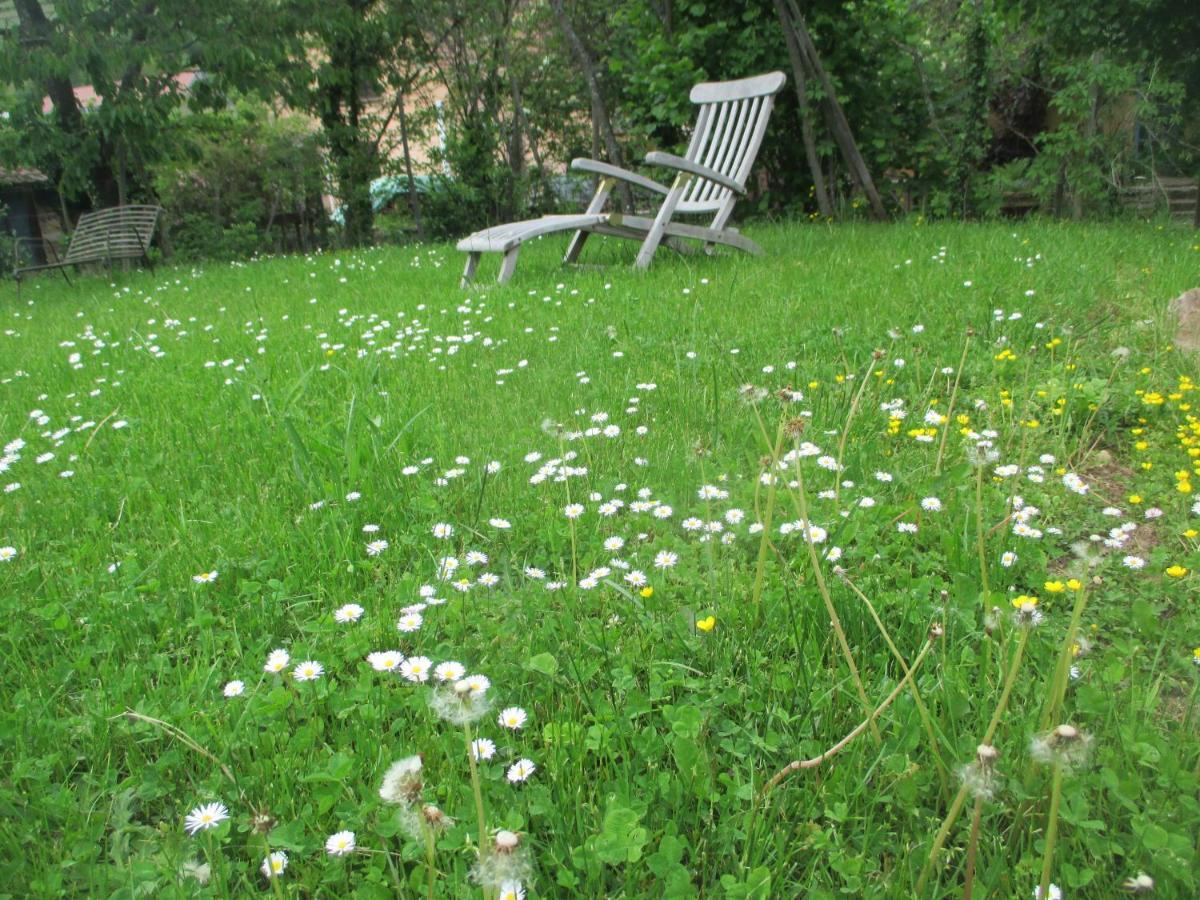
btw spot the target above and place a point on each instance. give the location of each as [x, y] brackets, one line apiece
[502, 238]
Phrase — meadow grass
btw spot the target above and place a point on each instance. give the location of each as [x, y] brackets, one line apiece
[192, 456]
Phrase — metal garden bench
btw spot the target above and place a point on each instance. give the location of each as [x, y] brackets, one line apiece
[120, 232]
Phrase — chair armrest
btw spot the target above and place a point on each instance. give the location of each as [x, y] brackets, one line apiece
[671, 161]
[608, 171]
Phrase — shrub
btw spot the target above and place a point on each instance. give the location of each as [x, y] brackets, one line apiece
[239, 182]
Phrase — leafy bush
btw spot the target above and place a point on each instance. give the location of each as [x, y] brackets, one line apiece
[240, 181]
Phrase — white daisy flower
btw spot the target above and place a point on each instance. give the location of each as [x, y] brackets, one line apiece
[274, 865]
[340, 844]
[520, 770]
[449, 671]
[512, 717]
[350, 612]
[482, 748]
[309, 670]
[415, 668]
[234, 688]
[210, 815]
[409, 623]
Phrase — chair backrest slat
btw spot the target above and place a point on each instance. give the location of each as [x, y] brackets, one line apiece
[116, 233]
[730, 125]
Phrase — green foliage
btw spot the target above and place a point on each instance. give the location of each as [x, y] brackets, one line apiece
[239, 182]
[652, 738]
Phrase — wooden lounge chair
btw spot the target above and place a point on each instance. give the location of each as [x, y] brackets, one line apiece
[729, 129]
[120, 232]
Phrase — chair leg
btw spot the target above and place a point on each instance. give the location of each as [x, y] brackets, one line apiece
[469, 272]
[603, 189]
[575, 247]
[509, 265]
[655, 235]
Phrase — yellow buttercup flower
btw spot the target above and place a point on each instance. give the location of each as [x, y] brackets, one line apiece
[1074, 584]
[707, 624]
[1177, 571]
[1055, 587]
[647, 591]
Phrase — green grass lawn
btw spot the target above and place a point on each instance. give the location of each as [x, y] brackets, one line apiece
[593, 487]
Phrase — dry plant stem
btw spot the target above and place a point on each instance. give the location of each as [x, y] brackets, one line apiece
[1051, 829]
[981, 547]
[1058, 687]
[960, 799]
[922, 710]
[837, 485]
[937, 468]
[802, 508]
[186, 740]
[972, 846]
[761, 566]
[797, 765]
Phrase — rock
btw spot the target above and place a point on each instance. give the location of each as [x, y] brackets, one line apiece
[1185, 309]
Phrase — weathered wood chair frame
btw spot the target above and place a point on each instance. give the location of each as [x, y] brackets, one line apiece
[119, 232]
[711, 176]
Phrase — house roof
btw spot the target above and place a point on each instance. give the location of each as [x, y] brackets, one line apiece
[87, 97]
[22, 176]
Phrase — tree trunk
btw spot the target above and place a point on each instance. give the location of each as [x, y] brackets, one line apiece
[37, 29]
[835, 115]
[516, 136]
[1090, 127]
[599, 111]
[414, 202]
[806, 129]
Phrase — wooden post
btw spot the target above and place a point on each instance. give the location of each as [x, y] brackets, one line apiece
[806, 130]
[835, 115]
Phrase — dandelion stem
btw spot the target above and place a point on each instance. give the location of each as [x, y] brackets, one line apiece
[802, 508]
[939, 839]
[478, 791]
[837, 484]
[981, 547]
[1058, 687]
[1009, 681]
[797, 765]
[972, 845]
[1051, 829]
[429, 853]
[960, 799]
[937, 468]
